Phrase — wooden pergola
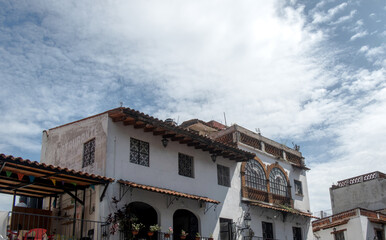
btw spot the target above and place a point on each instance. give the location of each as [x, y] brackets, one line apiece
[20, 177]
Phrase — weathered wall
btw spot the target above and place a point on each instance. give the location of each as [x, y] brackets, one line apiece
[370, 195]
[63, 146]
[283, 230]
[163, 172]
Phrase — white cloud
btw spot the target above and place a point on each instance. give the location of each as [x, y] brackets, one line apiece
[260, 62]
[322, 17]
[358, 35]
[346, 18]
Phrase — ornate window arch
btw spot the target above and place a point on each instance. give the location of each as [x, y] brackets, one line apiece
[278, 182]
[255, 176]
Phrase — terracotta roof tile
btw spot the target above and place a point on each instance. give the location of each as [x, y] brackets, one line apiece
[43, 166]
[282, 209]
[167, 191]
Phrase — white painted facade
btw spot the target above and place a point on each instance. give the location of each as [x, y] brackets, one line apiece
[64, 146]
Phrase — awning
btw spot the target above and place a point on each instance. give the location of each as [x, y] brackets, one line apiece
[282, 209]
[167, 191]
[34, 179]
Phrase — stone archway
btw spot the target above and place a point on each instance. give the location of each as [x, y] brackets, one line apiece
[185, 220]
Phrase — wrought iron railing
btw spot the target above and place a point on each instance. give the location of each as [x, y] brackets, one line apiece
[59, 228]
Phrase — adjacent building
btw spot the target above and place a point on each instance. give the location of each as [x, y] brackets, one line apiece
[200, 177]
[358, 207]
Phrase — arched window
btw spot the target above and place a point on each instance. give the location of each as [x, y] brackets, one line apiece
[255, 176]
[278, 182]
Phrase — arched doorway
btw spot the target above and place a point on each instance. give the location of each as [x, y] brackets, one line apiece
[146, 215]
[185, 220]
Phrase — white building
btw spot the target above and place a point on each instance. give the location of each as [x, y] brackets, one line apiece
[359, 210]
[179, 178]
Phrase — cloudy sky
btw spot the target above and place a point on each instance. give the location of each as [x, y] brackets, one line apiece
[308, 72]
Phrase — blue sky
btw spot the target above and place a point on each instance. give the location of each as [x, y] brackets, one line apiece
[308, 72]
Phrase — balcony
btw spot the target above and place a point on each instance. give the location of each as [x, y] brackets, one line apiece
[258, 195]
[52, 227]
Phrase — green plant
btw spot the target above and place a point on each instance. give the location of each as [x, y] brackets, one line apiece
[137, 226]
[183, 233]
[211, 235]
[198, 235]
[154, 228]
[170, 230]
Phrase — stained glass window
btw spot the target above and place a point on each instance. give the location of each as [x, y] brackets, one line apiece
[223, 175]
[88, 153]
[278, 182]
[255, 176]
[139, 152]
[185, 165]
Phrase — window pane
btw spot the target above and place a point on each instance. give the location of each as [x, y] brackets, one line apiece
[185, 165]
[139, 152]
[223, 176]
[88, 153]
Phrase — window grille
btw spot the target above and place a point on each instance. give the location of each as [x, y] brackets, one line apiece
[185, 165]
[339, 235]
[139, 152]
[278, 182]
[255, 176]
[88, 153]
[223, 176]
[297, 233]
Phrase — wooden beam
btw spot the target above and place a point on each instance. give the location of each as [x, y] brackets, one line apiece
[177, 138]
[169, 135]
[186, 141]
[193, 143]
[129, 121]
[159, 131]
[149, 128]
[139, 124]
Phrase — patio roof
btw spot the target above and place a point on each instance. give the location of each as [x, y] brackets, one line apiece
[282, 209]
[33, 179]
[167, 191]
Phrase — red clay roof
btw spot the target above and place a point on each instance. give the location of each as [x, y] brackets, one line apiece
[141, 120]
[48, 167]
[282, 209]
[167, 191]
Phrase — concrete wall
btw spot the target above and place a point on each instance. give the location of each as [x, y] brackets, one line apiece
[163, 172]
[63, 146]
[370, 195]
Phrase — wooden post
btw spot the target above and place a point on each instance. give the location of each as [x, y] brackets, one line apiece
[81, 223]
[49, 208]
[74, 223]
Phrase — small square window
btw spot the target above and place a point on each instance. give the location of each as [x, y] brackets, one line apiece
[139, 152]
[185, 165]
[223, 176]
[339, 235]
[298, 187]
[88, 153]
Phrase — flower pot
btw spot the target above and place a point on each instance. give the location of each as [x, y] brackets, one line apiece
[210, 238]
[150, 234]
[167, 235]
[134, 232]
[198, 238]
[183, 237]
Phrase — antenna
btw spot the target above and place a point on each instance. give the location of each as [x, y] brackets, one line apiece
[225, 119]
[258, 131]
[178, 119]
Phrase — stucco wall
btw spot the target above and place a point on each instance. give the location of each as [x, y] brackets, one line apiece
[369, 195]
[63, 146]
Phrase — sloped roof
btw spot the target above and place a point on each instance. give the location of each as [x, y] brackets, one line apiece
[282, 209]
[34, 179]
[167, 191]
[175, 133]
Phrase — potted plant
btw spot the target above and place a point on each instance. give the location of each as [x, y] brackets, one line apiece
[183, 234]
[136, 227]
[153, 228]
[198, 236]
[170, 231]
[210, 236]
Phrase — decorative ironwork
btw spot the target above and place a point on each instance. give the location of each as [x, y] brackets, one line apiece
[223, 175]
[253, 142]
[255, 176]
[139, 152]
[88, 153]
[278, 182]
[185, 165]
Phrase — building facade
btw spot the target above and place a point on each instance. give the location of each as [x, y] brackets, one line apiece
[359, 209]
[179, 177]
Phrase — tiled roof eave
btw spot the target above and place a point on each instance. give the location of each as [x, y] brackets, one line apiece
[167, 191]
